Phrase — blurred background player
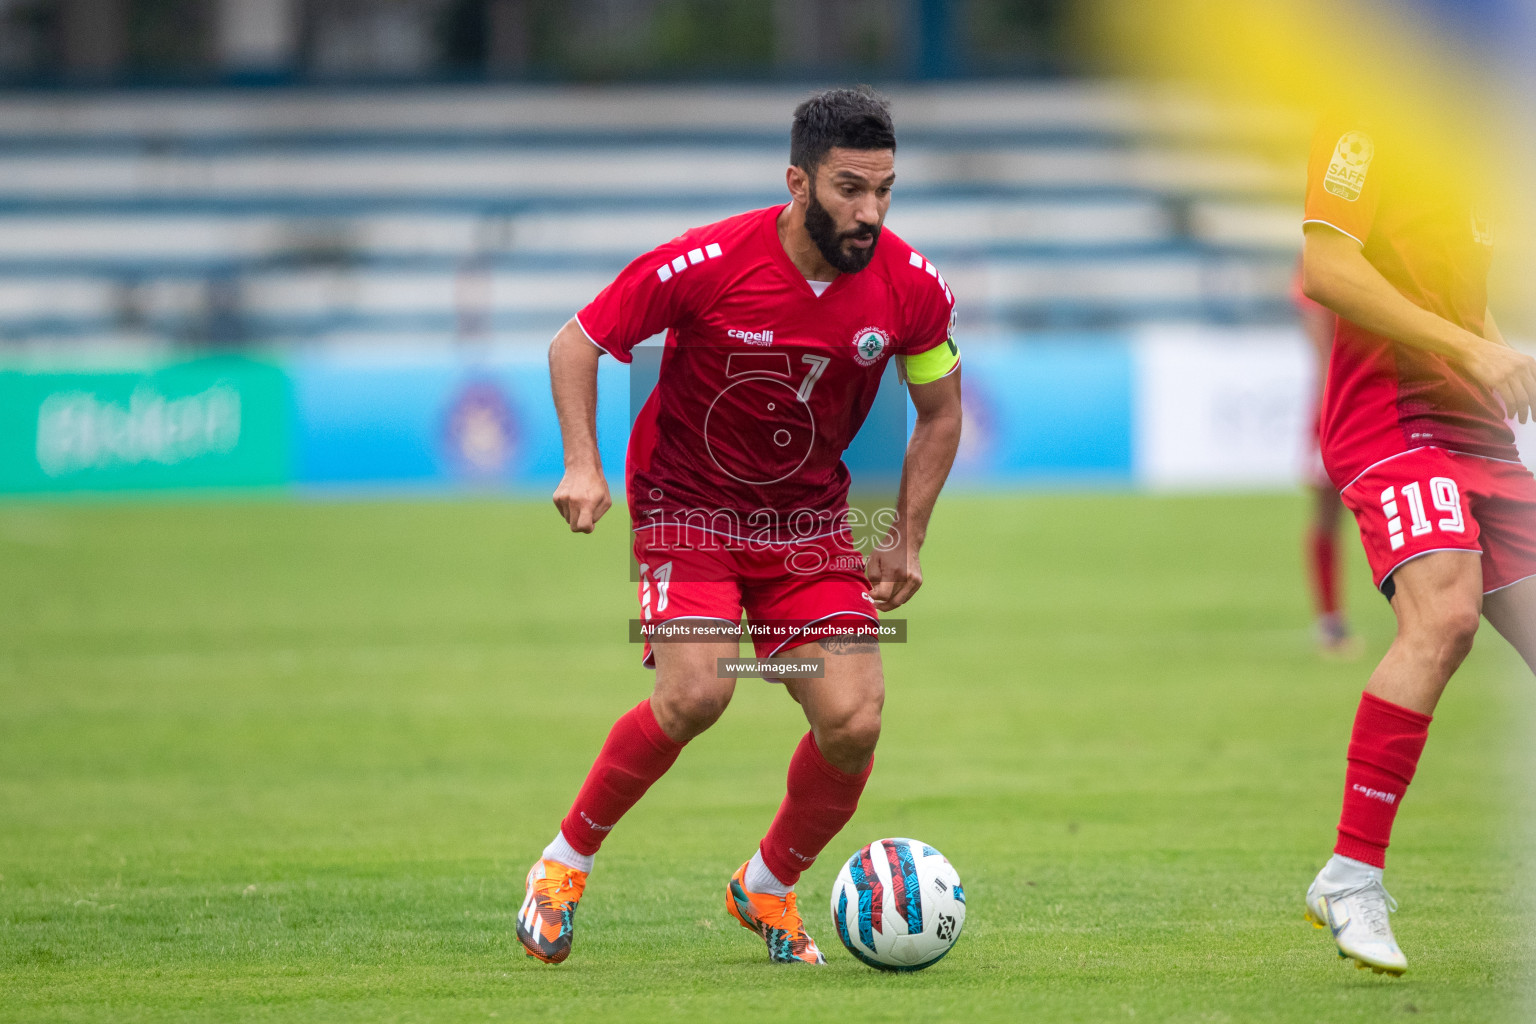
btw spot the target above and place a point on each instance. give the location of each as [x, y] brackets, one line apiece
[1334, 637]
[1415, 435]
[780, 323]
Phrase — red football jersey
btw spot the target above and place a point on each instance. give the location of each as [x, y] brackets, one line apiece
[1433, 245]
[763, 382]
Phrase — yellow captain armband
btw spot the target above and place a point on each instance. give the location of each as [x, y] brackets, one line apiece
[934, 364]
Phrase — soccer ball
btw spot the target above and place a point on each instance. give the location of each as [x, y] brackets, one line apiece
[1356, 149]
[898, 905]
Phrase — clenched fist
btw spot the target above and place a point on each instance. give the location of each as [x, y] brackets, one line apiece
[582, 498]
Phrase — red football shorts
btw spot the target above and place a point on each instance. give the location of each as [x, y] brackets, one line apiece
[793, 594]
[1430, 499]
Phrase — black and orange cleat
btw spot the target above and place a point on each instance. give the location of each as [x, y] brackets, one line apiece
[775, 919]
[545, 923]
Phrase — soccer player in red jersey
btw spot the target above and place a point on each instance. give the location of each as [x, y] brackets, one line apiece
[1334, 638]
[779, 323]
[1415, 436]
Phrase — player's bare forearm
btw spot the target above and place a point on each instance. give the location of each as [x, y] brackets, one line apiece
[930, 454]
[895, 571]
[1491, 330]
[1336, 274]
[582, 495]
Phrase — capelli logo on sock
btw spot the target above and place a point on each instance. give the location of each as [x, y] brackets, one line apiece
[800, 856]
[1374, 794]
[594, 826]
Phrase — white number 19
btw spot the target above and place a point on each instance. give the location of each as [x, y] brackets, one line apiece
[1443, 495]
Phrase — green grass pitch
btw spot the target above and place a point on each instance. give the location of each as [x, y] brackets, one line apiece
[268, 761]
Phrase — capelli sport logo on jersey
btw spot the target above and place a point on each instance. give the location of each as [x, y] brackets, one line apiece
[753, 337]
[869, 345]
[1351, 160]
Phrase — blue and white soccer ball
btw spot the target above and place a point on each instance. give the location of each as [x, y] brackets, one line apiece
[898, 905]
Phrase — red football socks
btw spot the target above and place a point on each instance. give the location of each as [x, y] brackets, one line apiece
[1323, 561]
[819, 801]
[1383, 753]
[636, 754]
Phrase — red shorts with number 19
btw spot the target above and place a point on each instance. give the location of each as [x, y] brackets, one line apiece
[1431, 499]
[794, 593]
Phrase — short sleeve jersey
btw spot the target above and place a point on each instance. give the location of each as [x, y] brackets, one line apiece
[763, 383]
[1435, 247]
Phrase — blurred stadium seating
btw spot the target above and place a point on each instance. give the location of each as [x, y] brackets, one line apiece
[443, 214]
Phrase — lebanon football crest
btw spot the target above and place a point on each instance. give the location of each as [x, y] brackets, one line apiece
[869, 345]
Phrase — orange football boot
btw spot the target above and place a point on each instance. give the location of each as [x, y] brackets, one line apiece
[545, 923]
[775, 919]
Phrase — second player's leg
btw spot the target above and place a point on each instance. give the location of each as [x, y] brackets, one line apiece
[1438, 598]
[1327, 508]
[1513, 613]
[1322, 551]
[1438, 601]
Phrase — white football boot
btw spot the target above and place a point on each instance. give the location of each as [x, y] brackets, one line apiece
[1355, 909]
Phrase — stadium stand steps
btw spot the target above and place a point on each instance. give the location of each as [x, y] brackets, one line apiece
[433, 215]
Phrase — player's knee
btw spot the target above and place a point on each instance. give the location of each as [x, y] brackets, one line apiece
[1458, 628]
[849, 742]
[685, 711]
[1447, 633]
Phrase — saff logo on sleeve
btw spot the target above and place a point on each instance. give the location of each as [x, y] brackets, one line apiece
[869, 345]
[1351, 160]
